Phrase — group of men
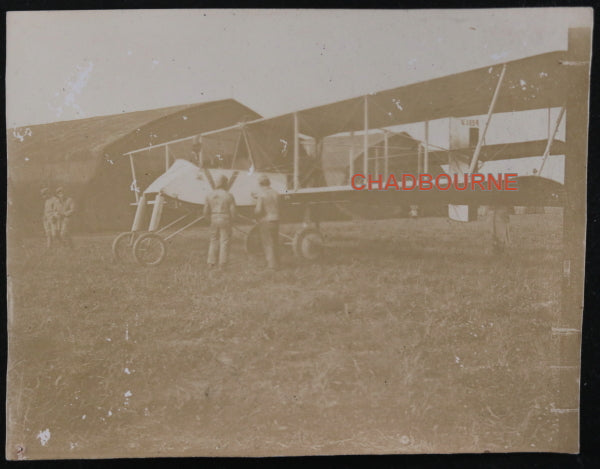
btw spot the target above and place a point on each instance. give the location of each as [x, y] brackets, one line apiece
[58, 211]
[220, 209]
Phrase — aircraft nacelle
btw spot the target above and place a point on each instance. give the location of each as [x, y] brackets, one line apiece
[186, 182]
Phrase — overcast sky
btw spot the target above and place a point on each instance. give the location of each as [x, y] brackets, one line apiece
[71, 65]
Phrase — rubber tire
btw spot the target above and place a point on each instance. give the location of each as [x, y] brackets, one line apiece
[138, 246]
[308, 243]
[123, 241]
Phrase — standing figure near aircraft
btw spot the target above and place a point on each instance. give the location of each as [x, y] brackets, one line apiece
[267, 212]
[500, 228]
[50, 218]
[220, 207]
[66, 208]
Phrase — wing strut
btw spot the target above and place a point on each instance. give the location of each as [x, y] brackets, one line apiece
[487, 122]
[426, 148]
[351, 158]
[366, 139]
[134, 184]
[386, 155]
[235, 150]
[248, 146]
[200, 154]
[551, 138]
[296, 154]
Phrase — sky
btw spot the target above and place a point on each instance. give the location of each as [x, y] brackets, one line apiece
[66, 65]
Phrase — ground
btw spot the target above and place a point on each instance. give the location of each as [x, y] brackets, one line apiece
[406, 336]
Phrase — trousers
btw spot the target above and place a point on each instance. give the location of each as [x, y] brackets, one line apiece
[220, 236]
[269, 233]
[500, 230]
[51, 228]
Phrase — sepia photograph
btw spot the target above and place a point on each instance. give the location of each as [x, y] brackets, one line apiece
[295, 232]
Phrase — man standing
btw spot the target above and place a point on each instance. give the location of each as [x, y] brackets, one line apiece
[220, 207]
[267, 212]
[50, 218]
[66, 208]
[500, 228]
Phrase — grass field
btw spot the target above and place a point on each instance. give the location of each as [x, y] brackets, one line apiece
[407, 336]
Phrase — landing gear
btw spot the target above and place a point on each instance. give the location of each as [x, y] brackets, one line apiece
[308, 243]
[149, 249]
[123, 244]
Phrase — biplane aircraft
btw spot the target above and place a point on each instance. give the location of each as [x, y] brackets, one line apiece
[293, 150]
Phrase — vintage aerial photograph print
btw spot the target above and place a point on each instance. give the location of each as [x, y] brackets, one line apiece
[295, 232]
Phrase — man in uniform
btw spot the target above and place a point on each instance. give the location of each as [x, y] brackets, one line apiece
[220, 207]
[267, 212]
[50, 218]
[66, 208]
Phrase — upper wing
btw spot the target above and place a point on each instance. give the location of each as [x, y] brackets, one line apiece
[535, 82]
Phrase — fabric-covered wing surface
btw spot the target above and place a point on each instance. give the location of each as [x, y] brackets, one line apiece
[531, 83]
[271, 143]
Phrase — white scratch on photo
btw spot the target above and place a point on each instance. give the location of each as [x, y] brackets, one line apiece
[44, 436]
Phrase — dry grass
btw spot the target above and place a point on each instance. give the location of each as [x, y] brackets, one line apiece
[407, 336]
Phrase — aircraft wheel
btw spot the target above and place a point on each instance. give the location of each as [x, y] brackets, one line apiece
[253, 241]
[122, 245]
[308, 243]
[149, 249]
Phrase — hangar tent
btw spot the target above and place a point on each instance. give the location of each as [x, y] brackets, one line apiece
[82, 156]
